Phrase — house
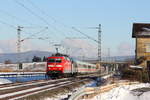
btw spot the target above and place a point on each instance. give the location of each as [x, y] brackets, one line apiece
[141, 33]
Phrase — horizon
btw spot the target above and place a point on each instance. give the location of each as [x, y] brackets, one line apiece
[61, 53]
[116, 18]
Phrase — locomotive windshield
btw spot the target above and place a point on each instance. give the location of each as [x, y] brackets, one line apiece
[54, 60]
[58, 60]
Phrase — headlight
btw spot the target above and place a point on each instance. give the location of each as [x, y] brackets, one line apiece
[50, 65]
[58, 65]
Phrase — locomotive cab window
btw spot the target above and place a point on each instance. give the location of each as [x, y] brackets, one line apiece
[54, 60]
[58, 60]
[51, 60]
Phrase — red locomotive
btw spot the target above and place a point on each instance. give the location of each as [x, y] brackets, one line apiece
[62, 65]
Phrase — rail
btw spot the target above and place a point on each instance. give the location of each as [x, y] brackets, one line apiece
[24, 90]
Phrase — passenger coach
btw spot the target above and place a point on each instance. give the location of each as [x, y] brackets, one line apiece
[59, 65]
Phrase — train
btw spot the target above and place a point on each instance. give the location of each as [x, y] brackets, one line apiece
[60, 65]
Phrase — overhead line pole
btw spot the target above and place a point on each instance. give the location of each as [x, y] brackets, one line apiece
[19, 44]
[99, 43]
[99, 58]
[99, 50]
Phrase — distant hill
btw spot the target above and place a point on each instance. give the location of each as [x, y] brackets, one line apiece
[24, 57]
[119, 58]
[109, 59]
[27, 57]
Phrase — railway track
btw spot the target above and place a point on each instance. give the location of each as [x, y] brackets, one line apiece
[20, 90]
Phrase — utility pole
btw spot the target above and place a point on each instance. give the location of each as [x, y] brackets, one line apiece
[19, 45]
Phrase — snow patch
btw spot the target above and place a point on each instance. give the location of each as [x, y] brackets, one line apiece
[4, 81]
[125, 93]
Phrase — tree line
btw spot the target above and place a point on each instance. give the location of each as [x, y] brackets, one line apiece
[39, 59]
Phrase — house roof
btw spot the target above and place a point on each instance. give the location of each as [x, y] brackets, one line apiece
[141, 30]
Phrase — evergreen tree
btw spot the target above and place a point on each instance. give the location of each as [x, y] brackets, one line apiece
[44, 59]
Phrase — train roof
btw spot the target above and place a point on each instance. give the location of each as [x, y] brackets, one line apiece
[59, 55]
[81, 62]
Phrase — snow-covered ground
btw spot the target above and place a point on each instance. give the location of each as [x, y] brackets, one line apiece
[26, 66]
[62, 96]
[126, 92]
[4, 81]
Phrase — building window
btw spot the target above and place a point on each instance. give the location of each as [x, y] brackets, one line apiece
[147, 46]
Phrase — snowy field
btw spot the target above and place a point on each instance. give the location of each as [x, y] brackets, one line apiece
[127, 92]
[26, 66]
[4, 81]
[64, 96]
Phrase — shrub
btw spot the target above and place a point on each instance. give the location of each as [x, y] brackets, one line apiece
[138, 75]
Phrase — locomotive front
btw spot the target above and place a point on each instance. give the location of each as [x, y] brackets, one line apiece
[55, 66]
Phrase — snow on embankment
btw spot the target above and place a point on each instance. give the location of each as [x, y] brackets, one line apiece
[35, 66]
[127, 92]
[4, 81]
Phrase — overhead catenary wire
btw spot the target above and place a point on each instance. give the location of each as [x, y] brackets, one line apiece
[46, 22]
[41, 31]
[39, 17]
[56, 21]
[15, 17]
[20, 20]
[48, 16]
[29, 10]
[40, 10]
[84, 34]
[10, 25]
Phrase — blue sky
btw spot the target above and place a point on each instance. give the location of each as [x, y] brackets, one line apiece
[115, 16]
